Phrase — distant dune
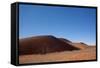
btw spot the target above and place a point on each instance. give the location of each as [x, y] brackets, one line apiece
[79, 45]
[51, 49]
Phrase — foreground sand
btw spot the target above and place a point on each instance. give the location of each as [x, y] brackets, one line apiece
[85, 54]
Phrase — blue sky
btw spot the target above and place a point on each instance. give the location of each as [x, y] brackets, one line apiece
[75, 24]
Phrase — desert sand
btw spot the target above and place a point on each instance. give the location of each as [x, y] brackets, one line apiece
[86, 54]
[80, 51]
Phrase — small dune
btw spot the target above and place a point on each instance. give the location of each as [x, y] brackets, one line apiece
[80, 45]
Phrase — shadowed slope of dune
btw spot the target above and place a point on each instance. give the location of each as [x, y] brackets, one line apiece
[43, 45]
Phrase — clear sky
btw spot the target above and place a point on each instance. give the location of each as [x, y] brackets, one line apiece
[75, 24]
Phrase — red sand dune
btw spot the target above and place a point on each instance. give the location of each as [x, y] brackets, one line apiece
[43, 45]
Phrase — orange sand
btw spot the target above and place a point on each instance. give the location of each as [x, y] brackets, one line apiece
[88, 53]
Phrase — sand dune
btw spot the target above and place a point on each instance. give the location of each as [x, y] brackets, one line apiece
[51, 49]
[42, 45]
